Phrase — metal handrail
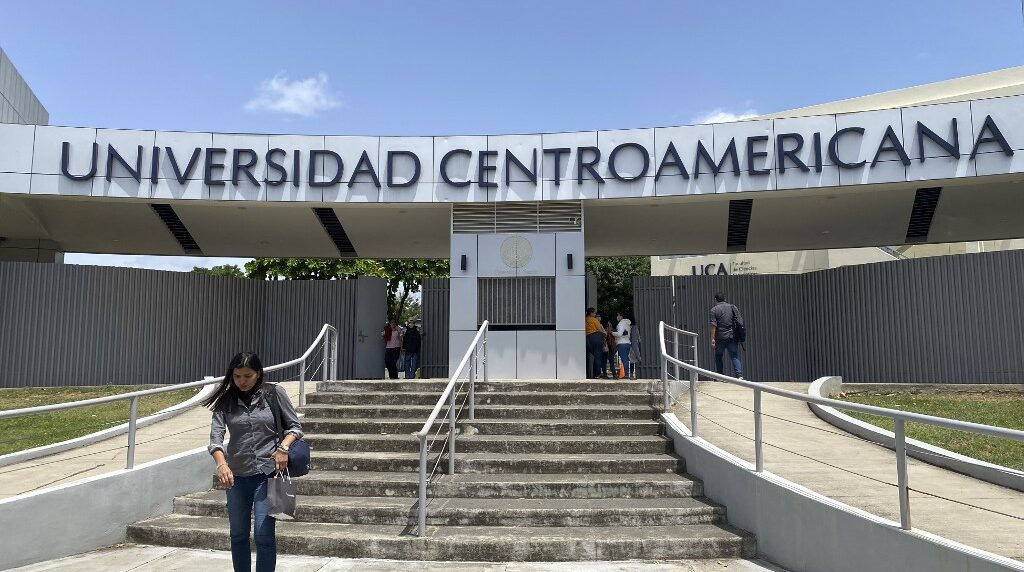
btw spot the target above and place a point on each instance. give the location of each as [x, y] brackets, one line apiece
[479, 343]
[323, 337]
[899, 417]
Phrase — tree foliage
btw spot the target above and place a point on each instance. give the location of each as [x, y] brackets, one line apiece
[614, 276]
[404, 276]
[229, 270]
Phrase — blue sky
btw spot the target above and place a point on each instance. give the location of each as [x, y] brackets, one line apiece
[481, 67]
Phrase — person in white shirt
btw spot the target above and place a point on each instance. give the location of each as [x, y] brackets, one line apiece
[622, 344]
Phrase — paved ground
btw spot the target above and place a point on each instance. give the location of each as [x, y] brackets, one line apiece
[156, 558]
[178, 434]
[857, 472]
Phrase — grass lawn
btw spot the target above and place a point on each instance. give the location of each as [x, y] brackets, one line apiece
[990, 408]
[30, 431]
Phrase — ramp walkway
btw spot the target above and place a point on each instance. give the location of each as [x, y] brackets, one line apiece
[810, 452]
[178, 434]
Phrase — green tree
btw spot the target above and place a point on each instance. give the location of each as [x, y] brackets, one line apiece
[404, 276]
[614, 276]
[413, 310]
[305, 268]
[229, 270]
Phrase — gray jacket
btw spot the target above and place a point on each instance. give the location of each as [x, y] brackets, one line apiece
[253, 431]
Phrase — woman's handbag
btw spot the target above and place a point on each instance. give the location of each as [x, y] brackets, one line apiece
[298, 451]
[281, 496]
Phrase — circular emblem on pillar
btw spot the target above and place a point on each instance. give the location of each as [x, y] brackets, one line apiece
[516, 251]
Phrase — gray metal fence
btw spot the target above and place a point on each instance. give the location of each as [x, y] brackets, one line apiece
[87, 325]
[949, 319]
[435, 304]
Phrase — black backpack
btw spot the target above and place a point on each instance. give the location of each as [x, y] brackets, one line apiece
[412, 340]
[739, 329]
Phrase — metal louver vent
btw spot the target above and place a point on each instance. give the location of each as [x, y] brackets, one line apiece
[739, 224]
[473, 218]
[337, 233]
[524, 302]
[561, 216]
[553, 216]
[920, 223]
[177, 228]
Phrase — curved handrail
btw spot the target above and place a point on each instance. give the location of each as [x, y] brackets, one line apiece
[899, 417]
[322, 338]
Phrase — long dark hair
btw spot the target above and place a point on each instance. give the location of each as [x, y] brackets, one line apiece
[227, 391]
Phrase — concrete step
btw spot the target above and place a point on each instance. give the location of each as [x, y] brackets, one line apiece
[437, 386]
[480, 512]
[461, 543]
[564, 427]
[499, 463]
[377, 398]
[511, 444]
[486, 398]
[486, 426]
[567, 398]
[421, 412]
[501, 486]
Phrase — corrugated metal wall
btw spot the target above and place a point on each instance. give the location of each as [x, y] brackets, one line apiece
[434, 353]
[949, 319]
[776, 347]
[652, 303]
[87, 325]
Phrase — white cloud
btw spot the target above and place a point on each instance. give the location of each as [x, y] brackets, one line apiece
[171, 263]
[303, 97]
[719, 115]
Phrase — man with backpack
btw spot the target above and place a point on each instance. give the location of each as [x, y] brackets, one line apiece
[411, 344]
[727, 333]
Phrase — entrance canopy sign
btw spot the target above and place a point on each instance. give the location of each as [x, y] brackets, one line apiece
[909, 144]
[326, 168]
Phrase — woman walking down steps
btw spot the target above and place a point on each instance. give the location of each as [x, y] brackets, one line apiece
[243, 405]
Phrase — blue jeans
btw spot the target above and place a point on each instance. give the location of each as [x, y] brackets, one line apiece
[720, 347]
[412, 363]
[623, 350]
[247, 493]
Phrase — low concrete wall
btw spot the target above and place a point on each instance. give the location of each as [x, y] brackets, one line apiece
[804, 531]
[94, 512]
[29, 454]
[996, 474]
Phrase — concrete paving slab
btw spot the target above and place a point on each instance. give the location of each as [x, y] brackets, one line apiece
[810, 452]
[120, 557]
[139, 558]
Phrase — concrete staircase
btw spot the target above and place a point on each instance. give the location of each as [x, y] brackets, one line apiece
[548, 471]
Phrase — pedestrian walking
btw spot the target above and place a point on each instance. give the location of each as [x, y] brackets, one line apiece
[727, 333]
[595, 343]
[622, 345]
[634, 350]
[411, 343]
[392, 338]
[244, 406]
[609, 350]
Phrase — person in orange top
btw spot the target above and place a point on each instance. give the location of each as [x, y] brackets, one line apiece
[595, 343]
